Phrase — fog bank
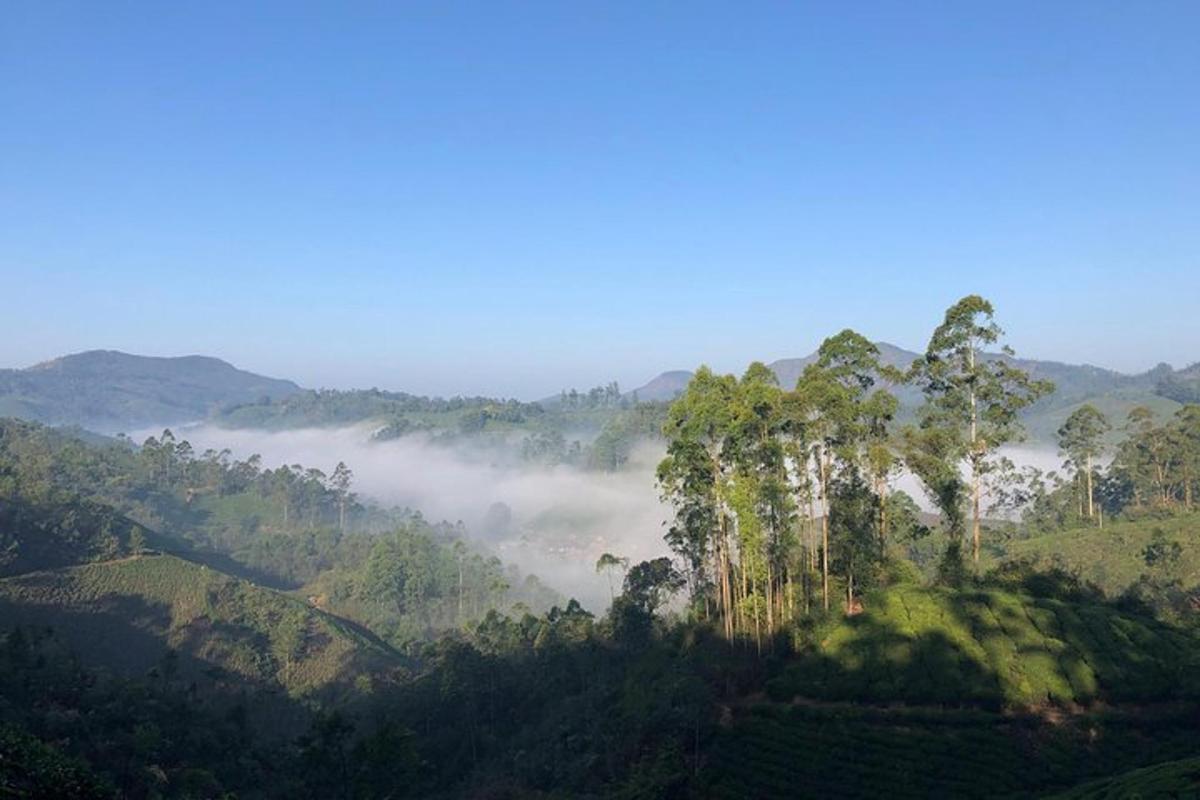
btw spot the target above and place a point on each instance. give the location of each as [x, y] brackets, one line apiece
[555, 521]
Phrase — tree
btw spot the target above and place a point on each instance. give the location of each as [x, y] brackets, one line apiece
[137, 540]
[649, 584]
[608, 564]
[972, 400]
[340, 483]
[848, 424]
[1081, 439]
[692, 477]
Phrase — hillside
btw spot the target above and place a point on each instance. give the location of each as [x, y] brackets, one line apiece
[935, 692]
[126, 614]
[992, 647]
[849, 751]
[110, 391]
[1117, 556]
[1170, 779]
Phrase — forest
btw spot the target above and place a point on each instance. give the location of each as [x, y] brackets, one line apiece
[184, 624]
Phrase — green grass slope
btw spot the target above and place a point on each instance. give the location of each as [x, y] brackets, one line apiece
[1173, 779]
[769, 751]
[991, 648]
[1114, 557]
[126, 614]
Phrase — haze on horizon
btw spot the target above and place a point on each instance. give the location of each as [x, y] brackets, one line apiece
[485, 200]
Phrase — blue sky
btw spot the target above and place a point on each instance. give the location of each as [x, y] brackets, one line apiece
[509, 198]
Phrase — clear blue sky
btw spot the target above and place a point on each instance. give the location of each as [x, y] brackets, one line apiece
[515, 197]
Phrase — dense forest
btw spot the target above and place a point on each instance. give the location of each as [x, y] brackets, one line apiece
[186, 625]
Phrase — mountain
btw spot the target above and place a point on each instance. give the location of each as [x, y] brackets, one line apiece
[662, 388]
[1114, 393]
[106, 390]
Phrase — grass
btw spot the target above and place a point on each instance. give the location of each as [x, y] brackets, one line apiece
[991, 648]
[126, 614]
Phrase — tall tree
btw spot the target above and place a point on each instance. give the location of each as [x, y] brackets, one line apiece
[610, 564]
[340, 483]
[1081, 439]
[696, 429]
[844, 418]
[973, 396]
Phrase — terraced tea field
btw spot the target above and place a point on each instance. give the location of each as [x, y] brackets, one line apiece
[991, 648]
[840, 751]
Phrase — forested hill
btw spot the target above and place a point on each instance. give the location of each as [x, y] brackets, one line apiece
[110, 391]
[1162, 388]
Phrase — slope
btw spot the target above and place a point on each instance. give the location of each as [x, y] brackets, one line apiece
[1116, 557]
[127, 614]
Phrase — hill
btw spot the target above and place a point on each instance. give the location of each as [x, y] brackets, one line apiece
[977, 692]
[1122, 555]
[127, 614]
[110, 391]
[995, 647]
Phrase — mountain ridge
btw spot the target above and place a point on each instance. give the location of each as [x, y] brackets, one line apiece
[110, 390]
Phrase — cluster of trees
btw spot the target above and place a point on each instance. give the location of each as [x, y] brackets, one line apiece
[776, 490]
[305, 497]
[1155, 466]
[606, 396]
[411, 583]
[338, 407]
[1182, 386]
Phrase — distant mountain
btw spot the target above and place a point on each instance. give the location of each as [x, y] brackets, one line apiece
[662, 388]
[110, 391]
[1115, 393]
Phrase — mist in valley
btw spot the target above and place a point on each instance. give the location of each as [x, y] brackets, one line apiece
[552, 521]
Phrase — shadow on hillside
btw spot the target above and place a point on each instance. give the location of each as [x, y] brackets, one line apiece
[996, 650]
[224, 664]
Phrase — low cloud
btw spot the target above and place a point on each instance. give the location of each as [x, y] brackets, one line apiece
[551, 521]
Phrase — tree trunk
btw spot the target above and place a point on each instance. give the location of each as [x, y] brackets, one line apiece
[823, 466]
[1090, 493]
[975, 505]
[974, 460]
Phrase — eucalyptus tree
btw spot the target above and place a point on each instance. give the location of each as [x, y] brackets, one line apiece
[1187, 427]
[843, 418]
[760, 501]
[972, 401]
[340, 483]
[692, 479]
[1081, 440]
[610, 564]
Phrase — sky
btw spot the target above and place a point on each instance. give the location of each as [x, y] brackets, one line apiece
[513, 198]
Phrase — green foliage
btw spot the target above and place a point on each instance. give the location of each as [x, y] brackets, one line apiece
[127, 614]
[993, 647]
[290, 528]
[1151, 559]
